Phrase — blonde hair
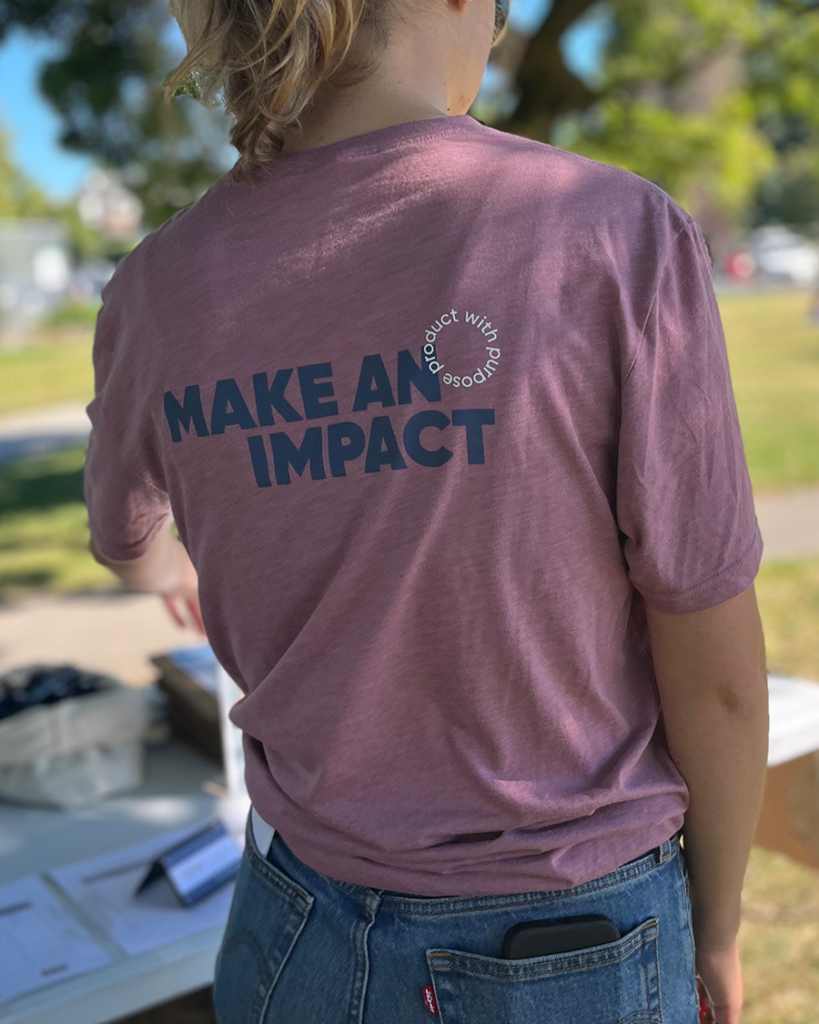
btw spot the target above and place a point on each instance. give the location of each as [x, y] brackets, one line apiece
[265, 59]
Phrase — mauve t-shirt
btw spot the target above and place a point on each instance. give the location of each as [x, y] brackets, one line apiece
[436, 410]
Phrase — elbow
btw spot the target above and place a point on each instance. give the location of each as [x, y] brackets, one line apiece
[96, 555]
[747, 701]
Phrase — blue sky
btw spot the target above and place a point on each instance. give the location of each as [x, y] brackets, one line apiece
[34, 127]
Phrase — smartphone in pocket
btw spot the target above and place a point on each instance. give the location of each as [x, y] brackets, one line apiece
[557, 935]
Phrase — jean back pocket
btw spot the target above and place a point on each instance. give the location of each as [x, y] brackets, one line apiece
[613, 983]
[267, 915]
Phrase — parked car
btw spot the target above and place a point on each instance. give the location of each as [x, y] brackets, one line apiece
[740, 265]
[782, 254]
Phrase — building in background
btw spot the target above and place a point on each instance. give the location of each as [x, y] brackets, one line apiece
[108, 207]
[35, 273]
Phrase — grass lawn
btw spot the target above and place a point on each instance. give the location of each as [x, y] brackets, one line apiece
[788, 596]
[48, 372]
[779, 940]
[774, 357]
[44, 527]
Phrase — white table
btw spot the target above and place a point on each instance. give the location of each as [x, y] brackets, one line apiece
[33, 840]
[789, 817]
[793, 706]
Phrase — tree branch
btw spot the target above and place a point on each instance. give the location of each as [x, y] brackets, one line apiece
[548, 87]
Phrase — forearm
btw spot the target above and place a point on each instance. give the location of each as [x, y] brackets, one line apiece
[156, 570]
[722, 754]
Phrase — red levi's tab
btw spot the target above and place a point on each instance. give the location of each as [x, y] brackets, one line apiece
[429, 1000]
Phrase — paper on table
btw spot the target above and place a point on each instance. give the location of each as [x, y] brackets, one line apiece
[104, 887]
[40, 940]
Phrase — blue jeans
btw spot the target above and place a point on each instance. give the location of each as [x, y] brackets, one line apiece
[302, 948]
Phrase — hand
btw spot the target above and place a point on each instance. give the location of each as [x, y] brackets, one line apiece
[165, 569]
[719, 983]
[181, 594]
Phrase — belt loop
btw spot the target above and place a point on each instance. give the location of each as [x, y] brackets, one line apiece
[666, 849]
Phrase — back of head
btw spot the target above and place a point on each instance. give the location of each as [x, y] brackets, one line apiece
[265, 59]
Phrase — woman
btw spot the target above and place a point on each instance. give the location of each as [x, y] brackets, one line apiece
[445, 421]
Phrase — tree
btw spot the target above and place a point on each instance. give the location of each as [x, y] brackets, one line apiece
[688, 95]
[714, 100]
[106, 86]
[18, 196]
[784, 78]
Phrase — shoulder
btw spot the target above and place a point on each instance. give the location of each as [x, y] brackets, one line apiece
[158, 255]
[594, 193]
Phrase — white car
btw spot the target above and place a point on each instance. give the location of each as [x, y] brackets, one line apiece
[781, 253]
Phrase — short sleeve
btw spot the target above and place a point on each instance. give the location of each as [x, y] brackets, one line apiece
[126, 502]
[685, 505]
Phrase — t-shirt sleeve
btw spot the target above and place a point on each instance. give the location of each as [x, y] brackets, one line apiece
[124, 495]
[685, 506]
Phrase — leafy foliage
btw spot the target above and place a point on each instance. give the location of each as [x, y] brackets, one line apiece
[106, 86]
[18, 196]
[714, 100]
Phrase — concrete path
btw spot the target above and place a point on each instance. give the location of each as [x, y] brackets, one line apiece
[118, 632]
[789, 522]
[40, 431]
[115, 633]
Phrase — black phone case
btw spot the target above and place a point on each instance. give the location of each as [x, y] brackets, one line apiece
[558, 935]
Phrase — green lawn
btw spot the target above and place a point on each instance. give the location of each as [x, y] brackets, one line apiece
[774, 357]
[47, 373]
[779, 940]
[44, 527]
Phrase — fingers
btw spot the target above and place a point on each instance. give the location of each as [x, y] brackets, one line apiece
[196, 614]
[170, 604]
[706, 1013]
[192, 617]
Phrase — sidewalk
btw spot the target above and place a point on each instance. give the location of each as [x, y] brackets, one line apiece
[40, 431]
[115, 633]
[789, 522]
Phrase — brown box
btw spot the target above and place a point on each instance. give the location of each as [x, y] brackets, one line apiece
[789, 817]
[192, 712]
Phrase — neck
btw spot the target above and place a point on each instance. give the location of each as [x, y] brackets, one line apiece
[379, 102]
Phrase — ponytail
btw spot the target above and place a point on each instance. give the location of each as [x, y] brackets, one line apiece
[265, 59]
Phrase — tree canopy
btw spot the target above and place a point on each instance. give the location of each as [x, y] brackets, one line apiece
[714, 100]
[106, 87]
[19, 197]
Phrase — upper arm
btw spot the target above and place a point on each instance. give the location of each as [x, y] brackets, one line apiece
[684, 502]
[124, 492]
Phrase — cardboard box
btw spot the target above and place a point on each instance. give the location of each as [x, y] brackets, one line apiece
[789, 817]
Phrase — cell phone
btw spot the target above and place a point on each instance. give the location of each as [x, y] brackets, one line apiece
[557, 935]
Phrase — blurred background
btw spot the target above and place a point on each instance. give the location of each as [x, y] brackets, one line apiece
[716, 102]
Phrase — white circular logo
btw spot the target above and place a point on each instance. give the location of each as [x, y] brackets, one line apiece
[487, 354]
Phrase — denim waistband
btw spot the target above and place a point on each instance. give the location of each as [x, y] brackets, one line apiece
[406, 903]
